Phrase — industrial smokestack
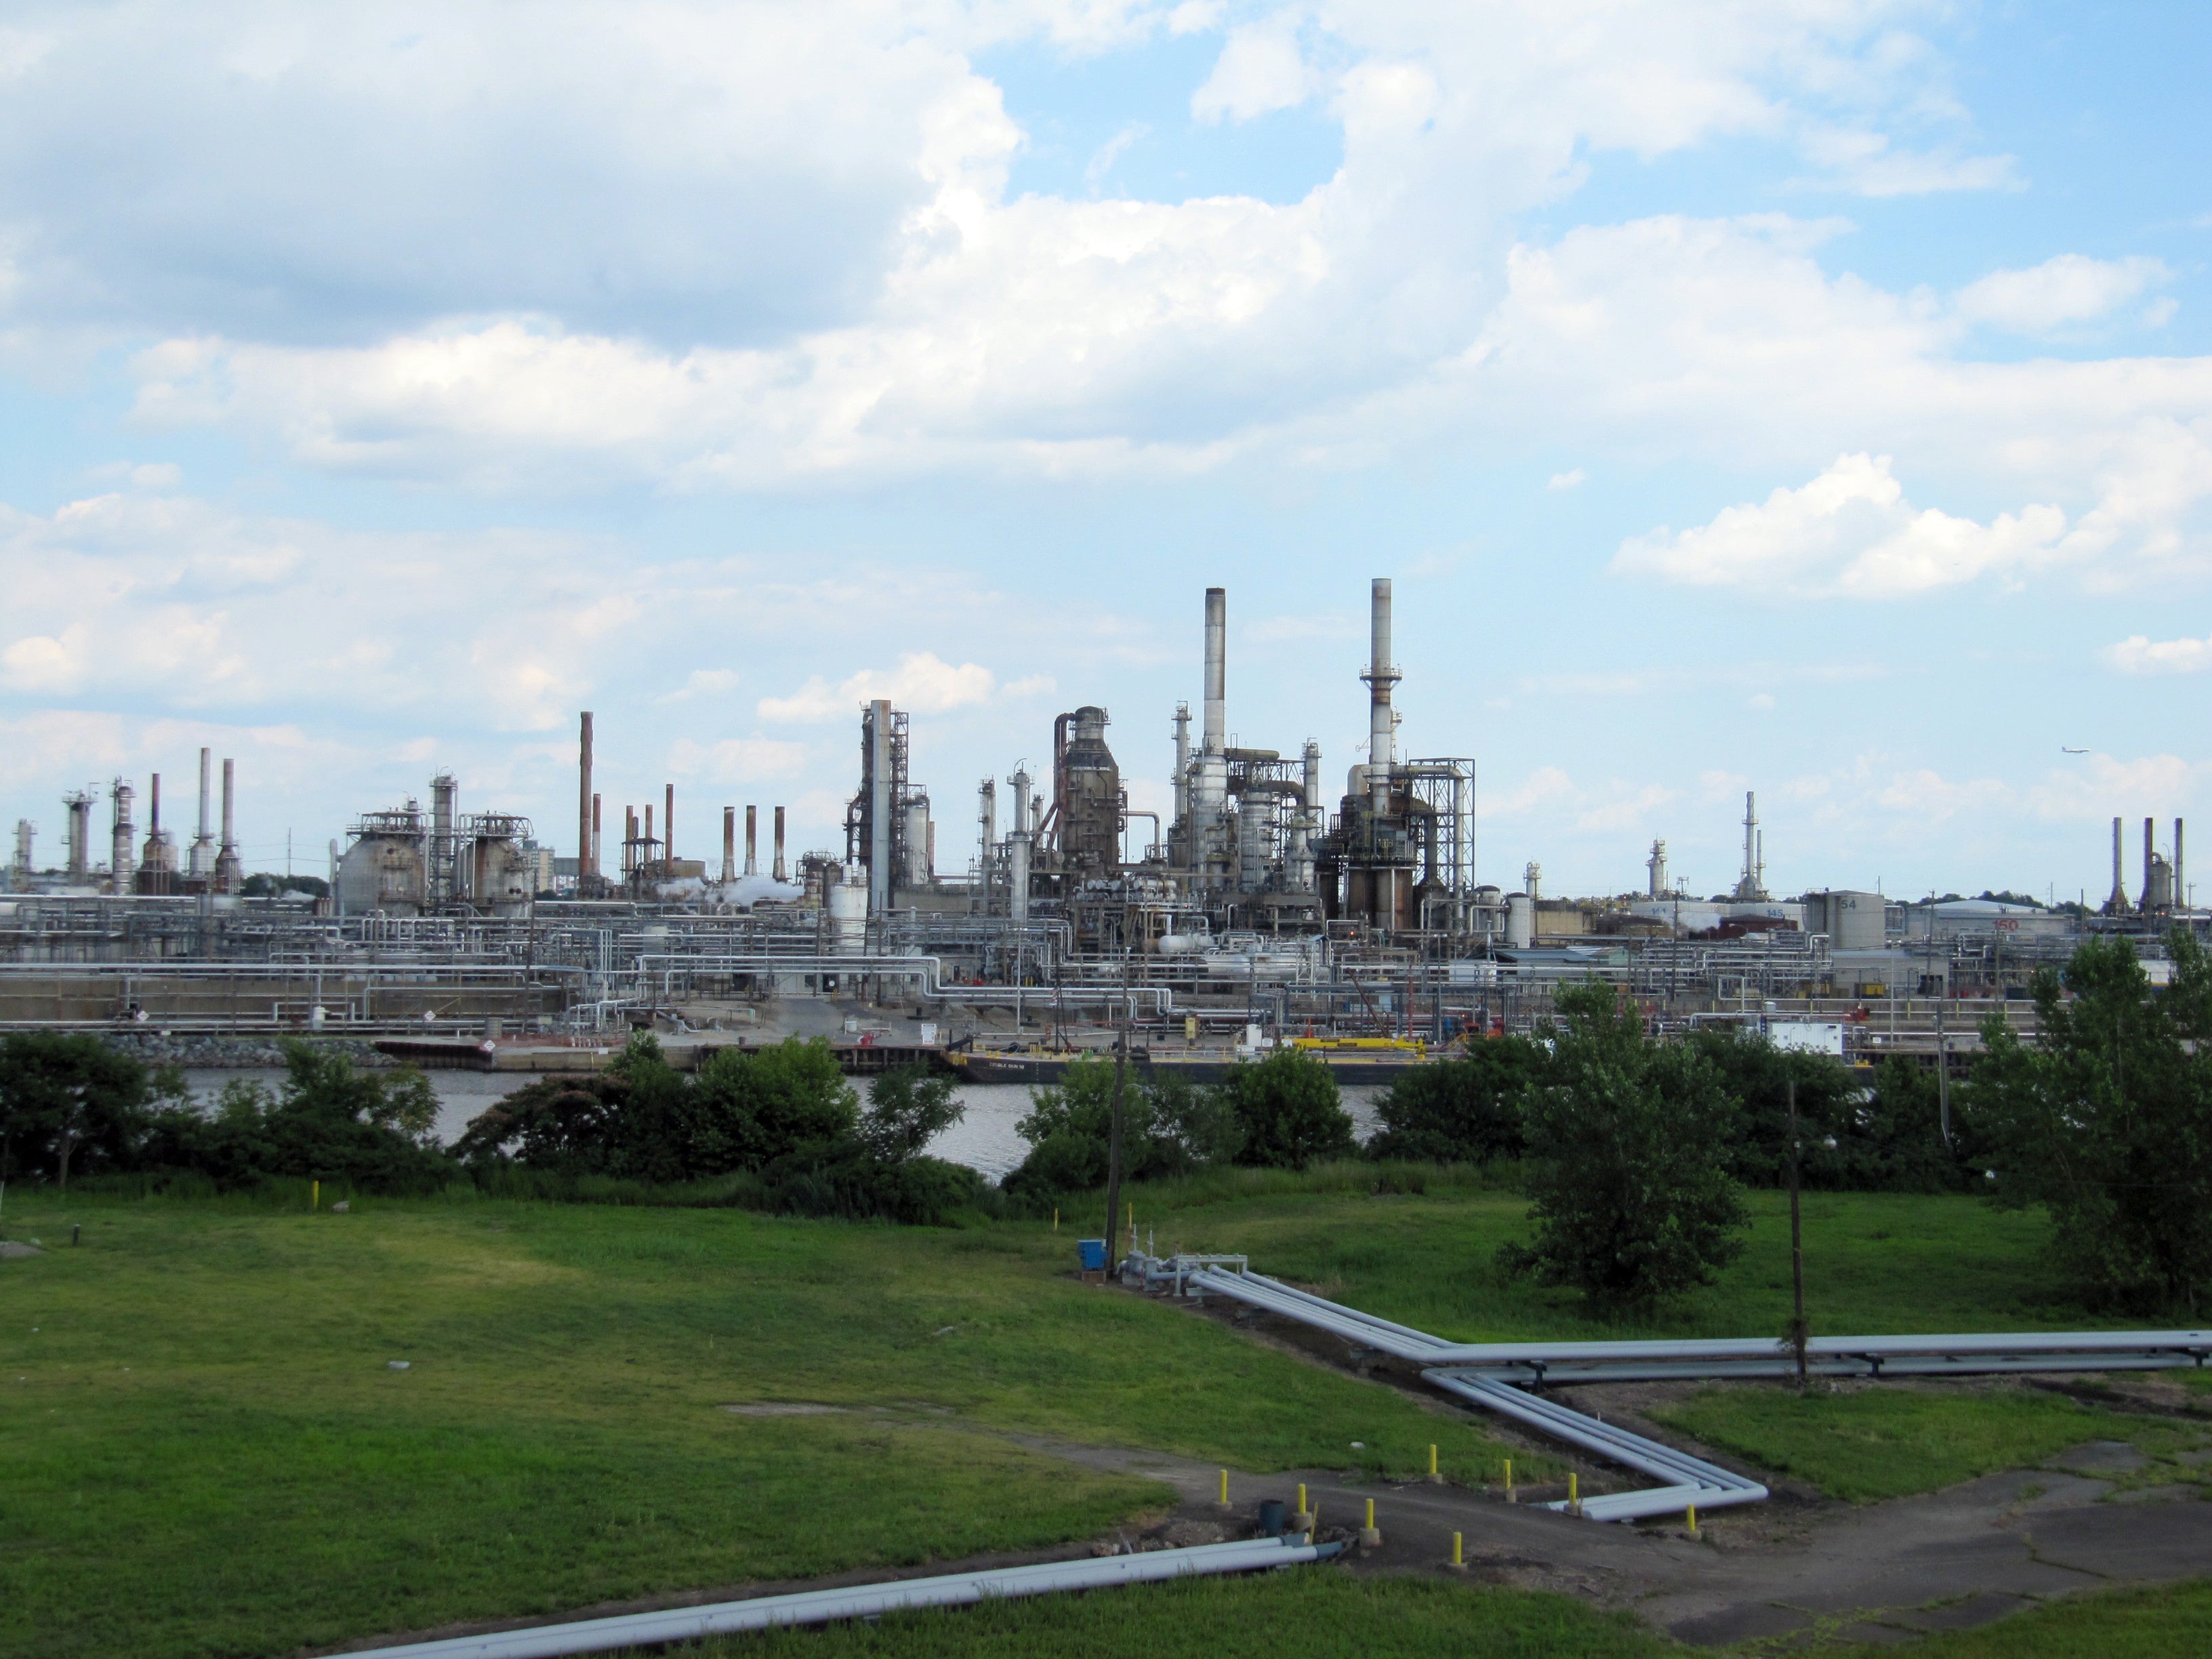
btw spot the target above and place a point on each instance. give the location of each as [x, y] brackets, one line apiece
[229, 876]
[2150, 851]
[203, 857]
[1215, 738]
[2118, 900]
[752, 841]
[2180, 892]
[668, 828]
[730, 840]
[587, 810]
[1381, 728]
[779, 869]
[645, 852]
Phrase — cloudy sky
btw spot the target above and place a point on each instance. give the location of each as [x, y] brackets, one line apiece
[1811, 395]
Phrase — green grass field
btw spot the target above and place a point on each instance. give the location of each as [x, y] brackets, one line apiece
[1874, 1263]
[1896, 1438]
[198, 1401]
[199, 1405]
[1320, 1614]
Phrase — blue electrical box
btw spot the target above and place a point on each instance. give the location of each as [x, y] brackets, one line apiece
[1092, 1252]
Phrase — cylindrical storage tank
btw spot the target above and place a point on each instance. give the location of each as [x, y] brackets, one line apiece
[915, 835]
[1520, 921]
[848, 914]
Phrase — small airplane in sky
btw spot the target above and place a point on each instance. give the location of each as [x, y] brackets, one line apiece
[2063, 750]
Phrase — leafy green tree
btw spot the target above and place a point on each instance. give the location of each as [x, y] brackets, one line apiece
[1627, 1137]
[1170, 1126]
[328, 1122]
[1462, 1110]
[908, 1107]
[1189, 1127]
[70, 1099]
[1289, 1110]
[752, 1106]
[2107, 1121]
[641, 1119]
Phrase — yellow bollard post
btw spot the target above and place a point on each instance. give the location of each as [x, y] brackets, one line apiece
[1370, 1536]
[315, 1195]
[1574, 1493]
[1509, 1481]
[1433, 1475]
[1459, 1550]
[1055, 1221]
[1303, 1520]
[1225, 1489]
[1691, 1516]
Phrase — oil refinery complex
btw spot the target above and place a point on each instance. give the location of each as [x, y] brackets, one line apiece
[1268, 908]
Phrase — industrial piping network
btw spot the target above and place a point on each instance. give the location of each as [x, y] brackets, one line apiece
[863, 1601]
[1485, 1373]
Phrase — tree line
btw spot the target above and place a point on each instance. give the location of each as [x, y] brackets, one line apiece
[1634, 1154]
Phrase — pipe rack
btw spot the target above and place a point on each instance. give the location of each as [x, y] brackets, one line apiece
[1486, 1373]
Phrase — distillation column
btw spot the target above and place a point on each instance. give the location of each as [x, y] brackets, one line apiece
[122, 852]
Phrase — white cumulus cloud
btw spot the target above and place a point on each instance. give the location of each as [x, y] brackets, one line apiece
[1849, 530]
[922, 684]
[2141, 655]
[2070, 288]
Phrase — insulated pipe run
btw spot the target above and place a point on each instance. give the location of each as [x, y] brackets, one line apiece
[1215, 738]
[634, 1630]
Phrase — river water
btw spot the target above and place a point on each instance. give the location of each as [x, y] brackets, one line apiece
[983, 1139]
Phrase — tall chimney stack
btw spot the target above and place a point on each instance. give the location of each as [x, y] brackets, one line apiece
[729, 843]
[2150, 848]
[1214, 736]
[203, 858]
[752, 841]
[588, 819]
[668, 828]
[2118, 900]
[229, 876]
[2180, 892]
[780, 872]
[1380, 675]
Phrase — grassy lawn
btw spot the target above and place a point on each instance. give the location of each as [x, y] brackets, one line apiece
[1895, 1438]
[199, 1407]
[205, 1453]
[1320, 1614]
[1313, 1612]
[1874, 1263]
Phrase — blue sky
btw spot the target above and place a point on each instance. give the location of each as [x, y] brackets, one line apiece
[1810, 396]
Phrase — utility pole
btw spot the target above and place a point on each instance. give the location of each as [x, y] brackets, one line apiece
[1114, 1134]
[1943, 1074]
[1798, 1331]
